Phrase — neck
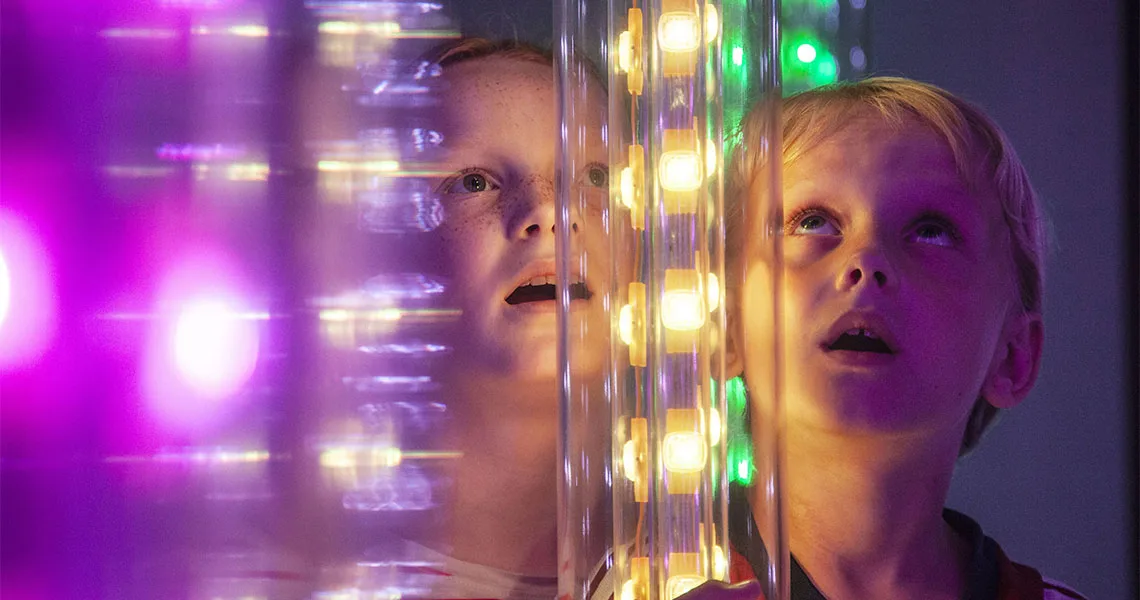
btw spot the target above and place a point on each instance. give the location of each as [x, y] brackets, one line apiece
[501, 510]
[865, 515]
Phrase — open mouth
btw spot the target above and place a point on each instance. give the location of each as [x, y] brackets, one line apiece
[859, 339]
[544, 288]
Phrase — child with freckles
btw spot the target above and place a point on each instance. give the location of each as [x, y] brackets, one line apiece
[496, 249]
[912, 284]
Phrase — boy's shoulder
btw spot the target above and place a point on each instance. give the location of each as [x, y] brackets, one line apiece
[1017, 581]
[994, 575]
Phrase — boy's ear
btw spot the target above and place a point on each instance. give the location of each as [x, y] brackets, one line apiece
[1016, 361]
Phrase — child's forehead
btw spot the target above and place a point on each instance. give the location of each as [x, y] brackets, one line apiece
[878, 145]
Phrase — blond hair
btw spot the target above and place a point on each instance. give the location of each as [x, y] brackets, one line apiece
[982, 153]
[471, 48]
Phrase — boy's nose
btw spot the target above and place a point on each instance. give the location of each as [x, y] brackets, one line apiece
[534, 209]
[867, 267]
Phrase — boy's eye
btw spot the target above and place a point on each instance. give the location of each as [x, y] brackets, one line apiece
[471, 183]
[934, 232]
[599, 176]
[813, 224]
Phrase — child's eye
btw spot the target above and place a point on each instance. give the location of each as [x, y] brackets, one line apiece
[811, 222]
[936, 232]
[470, 183]
[598, 176]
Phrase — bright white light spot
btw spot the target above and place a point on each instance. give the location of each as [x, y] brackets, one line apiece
[215, 347]
[679, 32]
[684, 452]
[5, 289]
[682, 310]
[27, 295]
[738, 56]
[680, 171]
[806, 53]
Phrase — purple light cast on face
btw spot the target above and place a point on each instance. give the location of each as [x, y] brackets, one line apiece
[204, 346]
[27, 295]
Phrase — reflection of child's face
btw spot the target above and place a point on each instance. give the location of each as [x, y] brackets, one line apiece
[498, 234]
[898, 283]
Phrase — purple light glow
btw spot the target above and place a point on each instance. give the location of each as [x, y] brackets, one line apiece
[27, 295]
[215, 346]
[204, 346]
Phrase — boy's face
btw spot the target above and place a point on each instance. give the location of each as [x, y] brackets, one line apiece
[898, 285]
[497, 239]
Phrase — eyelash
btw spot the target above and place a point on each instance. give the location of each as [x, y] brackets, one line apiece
[793, 223]
[493, 183]
[931, 218]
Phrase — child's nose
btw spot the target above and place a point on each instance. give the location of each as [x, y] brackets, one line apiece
[534, 209]
[867, 267]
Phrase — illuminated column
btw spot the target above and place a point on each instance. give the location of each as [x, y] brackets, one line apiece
[657, 240]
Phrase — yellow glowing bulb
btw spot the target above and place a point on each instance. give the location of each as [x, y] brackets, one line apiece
[713, 292]
[629, 460]
[719, 563]
[710, 157]
[627, 190]
[684, 451]
[682, 310]
[680, 170]
[678, 32]
[712, 23]
[679, 584]
[627, 590]
[714, 426]
[625, 324]
[625, 51]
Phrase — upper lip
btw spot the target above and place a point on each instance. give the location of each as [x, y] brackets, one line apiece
[861, 319]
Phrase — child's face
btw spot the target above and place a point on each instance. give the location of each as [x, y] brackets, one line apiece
[498, 234]
[897, 284]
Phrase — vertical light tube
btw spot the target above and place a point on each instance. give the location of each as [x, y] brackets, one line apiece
[660, 233]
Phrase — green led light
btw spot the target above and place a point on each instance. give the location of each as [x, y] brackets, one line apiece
[806, 52]
[826, 70]
[737, 396]
[738, 56]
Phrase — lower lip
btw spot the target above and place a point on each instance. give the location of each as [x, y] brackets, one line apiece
[859, 359]
[543, 306]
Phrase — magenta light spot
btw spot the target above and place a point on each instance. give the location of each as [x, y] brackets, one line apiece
[215, 347]
[27, 295]
[5, 288]
[204, 345]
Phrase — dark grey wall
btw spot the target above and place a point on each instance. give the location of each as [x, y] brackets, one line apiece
[1050, 483]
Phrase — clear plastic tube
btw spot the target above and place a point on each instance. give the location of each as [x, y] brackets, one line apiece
[664, 464]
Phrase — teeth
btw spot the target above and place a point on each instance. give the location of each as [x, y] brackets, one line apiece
[544, 280]
[859, 331]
